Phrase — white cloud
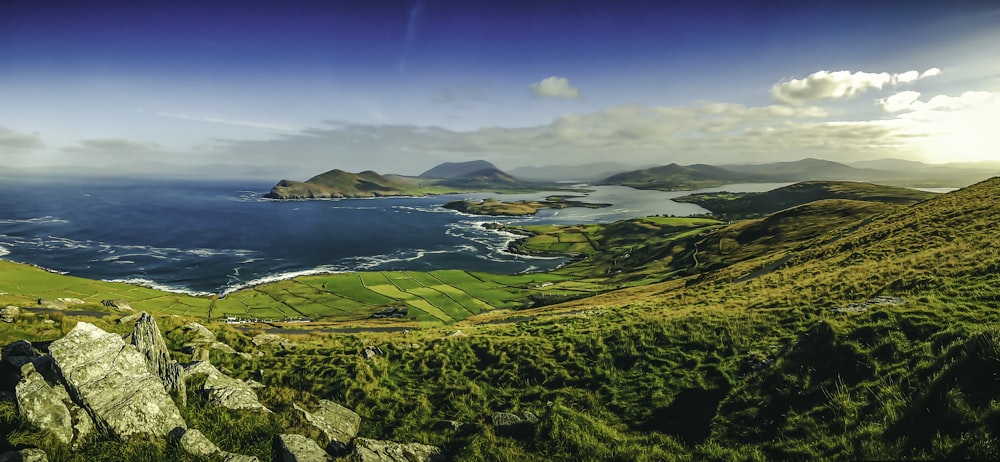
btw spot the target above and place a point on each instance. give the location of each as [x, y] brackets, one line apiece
[555, 87]
[11, 141]
[899, 102]
[840, 84]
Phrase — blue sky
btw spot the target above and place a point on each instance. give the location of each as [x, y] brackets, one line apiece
[289, 89]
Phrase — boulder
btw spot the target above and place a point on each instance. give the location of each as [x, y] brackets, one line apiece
[223, 390]
[112, 381]
[298, 448]
[42, 406]
[18, 353]
[147, 340]
[24, 455]
[129, 319]
[51, 304]
[71, 301]
[199, 331]
[530, 417]
[366, 450]
[273, 340]
[118, 305]
[194, 442]
[371, 351]
[502, 419]
[10, 313]
[446, 426]
[338, 424]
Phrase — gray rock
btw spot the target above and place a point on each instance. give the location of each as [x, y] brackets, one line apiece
[501, 419]
[199, 332]
[9, 313]
[147, 340]
[24, 455]
[71, 301]
[129, 319]
[51, 304]
[297, 448]
[223, 390]
[338, 424]
[366, 450]
[42, 406]
[18, 353]
[530, 417]
[194, 442]
[273, 340]
[83, 424]
[112, 381]
[233, 457]
[371, 351]
[119, 305]
[446, 426]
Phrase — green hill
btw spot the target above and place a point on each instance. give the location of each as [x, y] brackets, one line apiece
[745, 205]
[338, 183]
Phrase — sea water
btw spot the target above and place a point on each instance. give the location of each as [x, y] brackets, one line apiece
[216, 237]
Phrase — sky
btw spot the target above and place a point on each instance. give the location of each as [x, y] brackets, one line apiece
[293, 88]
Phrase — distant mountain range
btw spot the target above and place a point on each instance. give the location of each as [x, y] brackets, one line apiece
[480, 175]
[674, 177]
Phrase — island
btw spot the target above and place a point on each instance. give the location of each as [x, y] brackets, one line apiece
[494, 207]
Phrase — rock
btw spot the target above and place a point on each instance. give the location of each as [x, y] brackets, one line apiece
[71, 301]
[446, 426]
[502, 419]
[223, 390]
[147, 340]
[371, 351]
[83, 425]
[273, 340]
[194, 442]
[129, 319]
[297, 448]
[51, 304]
[42, 406]
[119, 305]
[200, 332]
[112, 381]
[18, 353]
[25, 455]
[338, 424]
[366, 450]
[10, 313]
[457, 333]
[530, 417]
[233, 457]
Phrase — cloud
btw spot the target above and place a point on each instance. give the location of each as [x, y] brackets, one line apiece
[711, 132]
[555, 87]
[899, 102]
[111, 147]
[11, 141]
[840, 84]
[224, 121]
[948, 128]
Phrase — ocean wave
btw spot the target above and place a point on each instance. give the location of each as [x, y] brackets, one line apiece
[46, 220]
[325, 269]
[160, 286]
[4, 251]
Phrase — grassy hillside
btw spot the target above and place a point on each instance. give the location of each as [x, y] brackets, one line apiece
[834, 330]
[733, 206]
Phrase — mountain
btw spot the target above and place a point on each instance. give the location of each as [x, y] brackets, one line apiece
[338, 183]
[747, 205]
[675, 177]
[487, 178]
[591, 172]
[457, 169]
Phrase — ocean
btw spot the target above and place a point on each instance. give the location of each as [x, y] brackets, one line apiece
[216, 237]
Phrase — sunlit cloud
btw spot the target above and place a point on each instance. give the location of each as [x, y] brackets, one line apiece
[949, 128]
[841, 84]
[555, 87]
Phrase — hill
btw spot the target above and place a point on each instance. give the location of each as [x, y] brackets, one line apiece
[456, 169]
[747, 205]
[338, 183]
[589, 172]
[674, 177]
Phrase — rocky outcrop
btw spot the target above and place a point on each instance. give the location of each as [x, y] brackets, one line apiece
[367, 450]
[272, 340]
[18, 353]
[223, 390]
[42, 405]
[298, 448]
[117, 305]
[338, 424]
[113, 382]
[24, 455]
[147, 340]
[194, 442]
[9, 313]
[202, 341]
[502, 419]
